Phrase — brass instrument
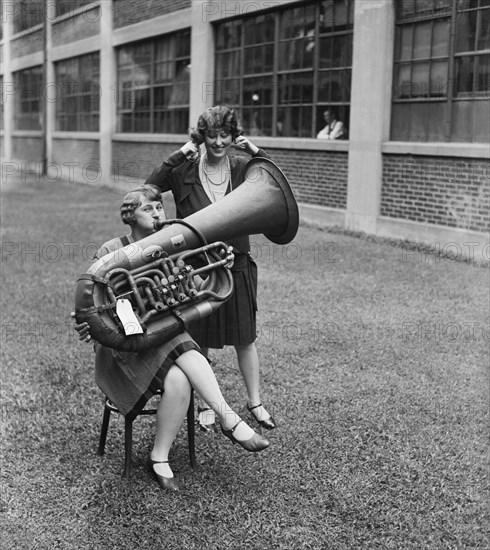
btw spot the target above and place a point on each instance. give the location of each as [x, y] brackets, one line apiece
[157, 274]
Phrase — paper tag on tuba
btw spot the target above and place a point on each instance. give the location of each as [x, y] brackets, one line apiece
[127, 317]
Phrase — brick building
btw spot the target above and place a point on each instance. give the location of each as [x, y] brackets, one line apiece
[100, 91]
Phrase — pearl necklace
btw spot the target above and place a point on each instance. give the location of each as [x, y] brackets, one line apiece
[215, 191]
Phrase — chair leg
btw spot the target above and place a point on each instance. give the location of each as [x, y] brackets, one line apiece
[191, 431]
[103, 430]
[128, 446]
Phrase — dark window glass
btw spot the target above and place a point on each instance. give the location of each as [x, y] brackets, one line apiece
[153, 84]
[77, 104]
[279, 68]
[424, 63]
[28, 87]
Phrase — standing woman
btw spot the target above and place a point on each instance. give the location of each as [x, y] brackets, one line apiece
[196, 181]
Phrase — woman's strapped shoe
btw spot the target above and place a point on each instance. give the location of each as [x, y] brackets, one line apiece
[255, 444]
[169, 483]
[269, 424]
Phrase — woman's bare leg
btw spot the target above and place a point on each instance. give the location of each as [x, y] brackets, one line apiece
[171, 413]
[202, 378]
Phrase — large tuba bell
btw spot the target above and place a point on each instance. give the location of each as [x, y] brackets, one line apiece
[157, 275]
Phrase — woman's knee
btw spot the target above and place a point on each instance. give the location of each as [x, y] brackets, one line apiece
[176, 382]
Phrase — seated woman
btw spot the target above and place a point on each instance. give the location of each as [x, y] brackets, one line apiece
[130, 379]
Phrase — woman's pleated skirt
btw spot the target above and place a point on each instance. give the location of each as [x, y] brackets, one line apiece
[130, 379]
[234, 323]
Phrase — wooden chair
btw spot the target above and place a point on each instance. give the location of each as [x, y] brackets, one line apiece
[128, 432]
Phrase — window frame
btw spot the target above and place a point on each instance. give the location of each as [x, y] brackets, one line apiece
[77, 107]
[230, 89]
[442, 122]
[129, 92]
[28, 98]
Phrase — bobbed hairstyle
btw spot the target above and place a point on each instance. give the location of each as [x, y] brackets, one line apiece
[132, 200]
[333, 111]
[216, 118]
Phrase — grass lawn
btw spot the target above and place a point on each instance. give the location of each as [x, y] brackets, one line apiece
[374, 363]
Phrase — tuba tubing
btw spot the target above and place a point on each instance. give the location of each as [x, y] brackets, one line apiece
[263, 203]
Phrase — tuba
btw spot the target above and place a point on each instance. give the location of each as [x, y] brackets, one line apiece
[147, 292]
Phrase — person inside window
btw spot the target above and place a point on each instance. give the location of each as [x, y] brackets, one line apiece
[334, 128]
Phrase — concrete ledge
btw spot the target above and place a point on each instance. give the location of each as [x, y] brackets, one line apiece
[321, 216]
[74, 49]
[27, 133]
[301, 144]
[151, 138]
[26, 61]
[463, 150]
[76, 135]
[447, 241]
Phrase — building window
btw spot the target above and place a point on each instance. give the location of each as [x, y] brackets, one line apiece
[78, 94]
[28, 86]
[153, 85]
[282, 69]
[442, 71]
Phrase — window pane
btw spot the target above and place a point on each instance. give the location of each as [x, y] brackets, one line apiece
[440, 40]
[484, 30]
[341, 15]
[482, 73]
[258, 30]
[163, 72]
[296, 121]
[257, 122]
[257, 91]
[161, 97]
[297, 22]
[296, 88]
[463, 74]
[142, 99]
[227, 64]
[404, 82]
[230, 35]
[420, 80]
[422, 40]
[142, 122]
[326, 16]
[227, 91]
[465, 31]
[330, 86]
[406, 33]
[438, 79]
[296, 54]
[257, 59]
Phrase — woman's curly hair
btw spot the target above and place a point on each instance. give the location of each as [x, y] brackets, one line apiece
[216, 118]
[132, 200]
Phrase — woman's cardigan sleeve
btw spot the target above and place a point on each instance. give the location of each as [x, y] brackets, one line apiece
[163, 174]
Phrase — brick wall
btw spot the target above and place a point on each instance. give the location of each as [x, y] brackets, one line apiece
[30, 43]
[77, 27]
[317, 177]
[136, 161]
[443, 191]
[27, 149]
[128, 12]
[77, 158]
